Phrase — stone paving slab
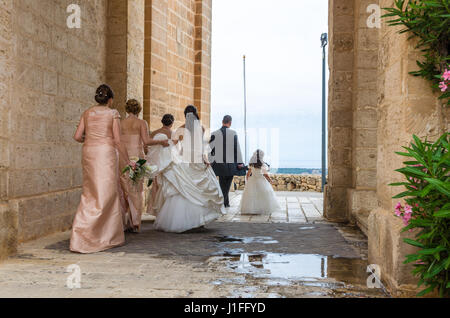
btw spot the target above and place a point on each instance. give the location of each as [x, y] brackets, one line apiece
[296, 207]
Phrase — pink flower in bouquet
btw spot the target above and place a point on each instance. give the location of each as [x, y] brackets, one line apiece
[446, 75]
[408, 209]
[443, 86]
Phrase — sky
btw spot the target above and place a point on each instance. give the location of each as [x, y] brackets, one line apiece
[281, 41]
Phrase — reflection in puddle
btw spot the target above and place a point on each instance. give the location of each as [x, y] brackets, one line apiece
[325, 275]
[284, 266]
[306, 228]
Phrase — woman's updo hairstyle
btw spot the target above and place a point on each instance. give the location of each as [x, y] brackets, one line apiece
[133, 107]
[167, 120]
[191, 109]
[103, 94]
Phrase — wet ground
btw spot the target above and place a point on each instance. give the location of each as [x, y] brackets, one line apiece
[227, 259]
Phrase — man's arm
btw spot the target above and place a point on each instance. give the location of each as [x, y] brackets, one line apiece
[212, 146]
[237, 150]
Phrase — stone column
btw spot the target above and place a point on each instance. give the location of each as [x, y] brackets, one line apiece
[156, 83]
[8, 217]
[362, 196]
[125, 50]
[202, 70]
[340, 107]
[406, 106]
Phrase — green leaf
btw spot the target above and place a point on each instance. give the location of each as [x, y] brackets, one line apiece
[440, 186]
[413, 243]
[442, 214]
[434, 270]
[413, 171]
[426, 291]
[431, 251]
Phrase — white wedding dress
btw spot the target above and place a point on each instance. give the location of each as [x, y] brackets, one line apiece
[258, 196]
[188, 195]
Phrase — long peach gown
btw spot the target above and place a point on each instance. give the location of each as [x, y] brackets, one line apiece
[98, 222]
[133, 193]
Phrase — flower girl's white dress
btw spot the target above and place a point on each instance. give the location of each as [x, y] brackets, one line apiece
[258, 196]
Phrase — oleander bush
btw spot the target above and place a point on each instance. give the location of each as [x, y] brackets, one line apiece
[426, 210]
[429, 22]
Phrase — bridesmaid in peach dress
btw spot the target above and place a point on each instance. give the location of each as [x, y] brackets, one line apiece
[98, 221]
[135, 137]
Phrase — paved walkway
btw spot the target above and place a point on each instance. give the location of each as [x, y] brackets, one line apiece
[291, 254]
[297, 207]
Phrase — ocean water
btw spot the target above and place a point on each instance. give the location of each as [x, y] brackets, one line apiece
[296, 171]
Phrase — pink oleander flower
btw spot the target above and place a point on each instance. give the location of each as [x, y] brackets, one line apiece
[443, 86]
[398, 209]
[406, 218]
[446, 75]
[408, 209]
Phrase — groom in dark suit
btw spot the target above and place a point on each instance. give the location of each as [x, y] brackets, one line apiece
[226, 156]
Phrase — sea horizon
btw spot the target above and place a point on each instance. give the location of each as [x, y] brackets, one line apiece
[314, 171]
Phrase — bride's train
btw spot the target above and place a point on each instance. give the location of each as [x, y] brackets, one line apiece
[188, 194]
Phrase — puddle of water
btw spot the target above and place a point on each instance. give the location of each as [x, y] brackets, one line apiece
[307, 228]
[247, 240]
[281, 266]
[305, 269]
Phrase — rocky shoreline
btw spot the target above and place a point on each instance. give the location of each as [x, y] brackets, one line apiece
[289, 182]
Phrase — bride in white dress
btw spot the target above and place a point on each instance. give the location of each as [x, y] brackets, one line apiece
[258, 196]
[188, 195]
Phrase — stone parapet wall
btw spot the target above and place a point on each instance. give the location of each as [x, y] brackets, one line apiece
[290, 182]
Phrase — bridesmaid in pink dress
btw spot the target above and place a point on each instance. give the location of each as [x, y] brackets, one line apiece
[98, 221]
[135, 137]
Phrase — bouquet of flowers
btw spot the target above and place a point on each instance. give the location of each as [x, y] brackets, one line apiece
[139, 169]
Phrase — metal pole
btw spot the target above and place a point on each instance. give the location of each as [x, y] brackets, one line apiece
[324, 40]
[245, 111]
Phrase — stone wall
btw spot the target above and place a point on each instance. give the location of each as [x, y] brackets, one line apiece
[375, 106]
[56, 71]
[406, 106]
[289, 182]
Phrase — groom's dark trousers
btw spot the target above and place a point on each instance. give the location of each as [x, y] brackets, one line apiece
[225, 165]
[225, 184]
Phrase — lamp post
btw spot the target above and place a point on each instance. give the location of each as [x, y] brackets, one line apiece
[245, 110]
[324, 42]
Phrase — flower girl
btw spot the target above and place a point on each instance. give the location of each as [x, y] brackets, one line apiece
[258, 196]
